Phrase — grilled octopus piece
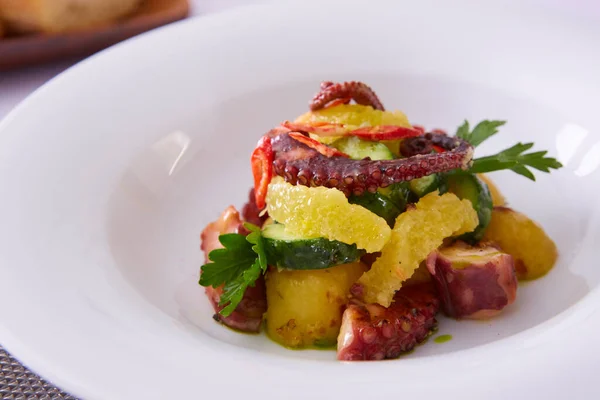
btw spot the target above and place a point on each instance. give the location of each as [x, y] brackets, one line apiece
[247, 316]
[373, 332]
[300, 164]
[473, 282]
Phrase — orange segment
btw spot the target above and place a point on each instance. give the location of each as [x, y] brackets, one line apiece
[417, 232]
[322, 212]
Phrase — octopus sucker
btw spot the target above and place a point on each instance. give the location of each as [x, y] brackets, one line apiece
[319, 179]
[358, 91]
[358, 191]
[303, 178]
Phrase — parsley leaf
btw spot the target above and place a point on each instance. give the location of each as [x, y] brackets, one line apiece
[237, 265]
[233, 292]
[229, 262]
[482, 131]
[515, 159]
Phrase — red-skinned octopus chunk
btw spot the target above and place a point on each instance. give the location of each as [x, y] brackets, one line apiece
[373, 332]
[473, 282]
[247, 316]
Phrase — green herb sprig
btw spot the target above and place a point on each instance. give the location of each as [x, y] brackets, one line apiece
[514, 158]
[482, 131]
[237, 265]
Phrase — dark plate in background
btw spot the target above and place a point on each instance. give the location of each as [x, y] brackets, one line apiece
[26, 50]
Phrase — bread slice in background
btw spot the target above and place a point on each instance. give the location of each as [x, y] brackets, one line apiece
[54, 16]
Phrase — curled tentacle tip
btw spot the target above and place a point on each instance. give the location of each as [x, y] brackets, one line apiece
[358, 91]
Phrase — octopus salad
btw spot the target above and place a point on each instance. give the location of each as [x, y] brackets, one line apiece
[361, 227]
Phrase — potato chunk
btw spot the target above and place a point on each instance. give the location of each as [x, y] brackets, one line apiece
[304, 308]
[533, 251]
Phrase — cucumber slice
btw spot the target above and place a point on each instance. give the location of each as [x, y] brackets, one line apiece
[427, 184]
[400, 194]
[470, 187]
[379, 204]
[291, 252]
[388, 202]
[358, 149]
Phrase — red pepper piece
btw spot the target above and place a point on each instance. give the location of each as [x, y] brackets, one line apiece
[419, 128]
[318, 146]
[262, 169]
[318, 128]
[381, 132]
[385, 132]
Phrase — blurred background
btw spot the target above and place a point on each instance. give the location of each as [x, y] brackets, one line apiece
[37, 43]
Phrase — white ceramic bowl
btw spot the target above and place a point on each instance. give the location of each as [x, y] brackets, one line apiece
[109, 173]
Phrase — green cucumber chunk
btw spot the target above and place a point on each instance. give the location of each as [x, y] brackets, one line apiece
[358, 149]
[378, 204]
[427, 184]
[291, 252]
[400, 194]
[388, 202]
[470, 187]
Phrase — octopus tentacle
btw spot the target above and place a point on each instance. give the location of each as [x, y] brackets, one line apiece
[299, 164]
[358, 91]
[373, 332]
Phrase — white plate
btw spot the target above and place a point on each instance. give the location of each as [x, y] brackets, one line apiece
[109, 173]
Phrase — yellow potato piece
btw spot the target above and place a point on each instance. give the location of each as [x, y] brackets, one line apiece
[533, 251]
[323, 212]
[417, 232]
[497, 197]
[304, 308]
